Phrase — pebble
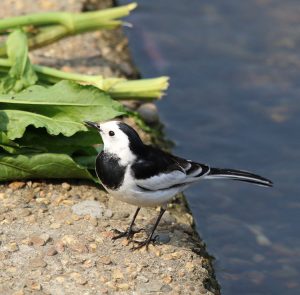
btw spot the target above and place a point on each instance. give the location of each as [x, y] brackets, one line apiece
[108, 213]
[41, 200]
[94, 221]
[59, 246]
[16, 185]
[60, 279]
[117, 274]
[51, 251]
[153, 286]
[33, 285]
[74, 244]
[164, 238]
[111, 285]
[148, 111]
[31, 219]
[123, 286]
[37, 262]
[92, 247]
[39, 240]
[78, 278]
[90, 207]
[167, 279]
[66, 186]
[58, 200]
[105, 260]
[3, 255]
[35, 184]
[88, 263]
[76, 217]
[120, 215]
[190, 266]
[172, 256]
[68, 202]
[142, 279]
[12, 247]
[166, 289]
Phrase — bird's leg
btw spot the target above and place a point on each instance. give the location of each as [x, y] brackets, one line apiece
[129, 232]
[149, 238]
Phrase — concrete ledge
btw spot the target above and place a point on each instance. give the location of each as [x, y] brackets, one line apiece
[56, 237]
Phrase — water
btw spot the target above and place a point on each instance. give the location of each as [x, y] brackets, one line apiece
[234, 102]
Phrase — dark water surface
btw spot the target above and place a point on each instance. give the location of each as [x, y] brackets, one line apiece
[234, 102]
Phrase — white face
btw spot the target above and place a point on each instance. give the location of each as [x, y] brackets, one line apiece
[116, 142]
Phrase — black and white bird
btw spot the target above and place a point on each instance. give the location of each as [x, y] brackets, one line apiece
[146, 176]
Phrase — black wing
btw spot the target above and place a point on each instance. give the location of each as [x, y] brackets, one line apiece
[156, 170]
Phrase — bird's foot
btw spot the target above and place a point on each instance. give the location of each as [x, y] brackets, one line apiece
[128, 233]
[145, 243]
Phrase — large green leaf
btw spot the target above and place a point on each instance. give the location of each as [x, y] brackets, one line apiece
[35, 166]
[63, 93]
[21, 74]
[80, 143]
[60, 109]
[13, 147]
[7, 144]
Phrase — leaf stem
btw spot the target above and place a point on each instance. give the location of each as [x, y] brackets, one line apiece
[61, 24]
[118, 88]
[67, 19]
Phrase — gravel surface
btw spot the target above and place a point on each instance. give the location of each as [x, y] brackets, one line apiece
[55, 238]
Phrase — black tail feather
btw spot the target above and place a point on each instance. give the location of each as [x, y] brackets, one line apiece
[238, 175]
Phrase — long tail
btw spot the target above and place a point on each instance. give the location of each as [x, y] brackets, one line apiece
[217, 173]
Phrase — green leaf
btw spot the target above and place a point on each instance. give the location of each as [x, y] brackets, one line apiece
[21, 74]
[60, 109]
[86, 161]
[47, 165]
[7, 144]
[80, 143]
[13, 147]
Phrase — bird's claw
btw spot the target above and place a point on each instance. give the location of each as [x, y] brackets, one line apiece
[129, 233]
[141, 244]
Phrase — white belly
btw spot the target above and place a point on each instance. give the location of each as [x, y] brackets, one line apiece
[130, 193]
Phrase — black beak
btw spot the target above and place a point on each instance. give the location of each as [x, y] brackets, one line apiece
[92, 125]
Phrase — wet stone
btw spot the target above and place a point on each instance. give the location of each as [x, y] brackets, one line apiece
[163, 238]
[148, 112]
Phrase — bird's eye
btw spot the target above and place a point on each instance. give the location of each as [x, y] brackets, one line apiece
[111, 133]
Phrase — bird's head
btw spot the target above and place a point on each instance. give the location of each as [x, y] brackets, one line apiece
[119, 139]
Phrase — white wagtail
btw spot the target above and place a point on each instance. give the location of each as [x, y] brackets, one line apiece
[146, 176]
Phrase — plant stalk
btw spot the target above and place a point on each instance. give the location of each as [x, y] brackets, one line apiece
[65, 24]
[118, 88]
[66, 19]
